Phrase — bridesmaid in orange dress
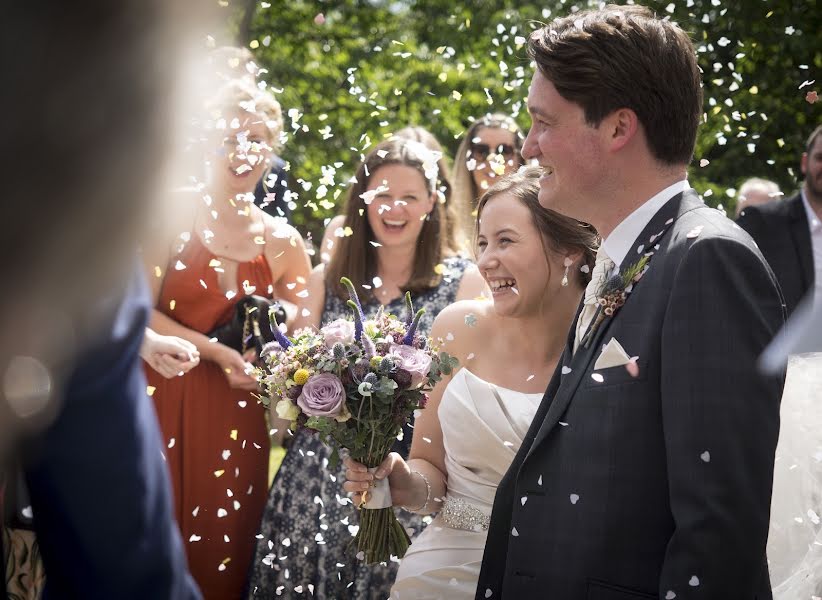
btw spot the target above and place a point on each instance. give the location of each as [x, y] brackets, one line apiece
[217, 443]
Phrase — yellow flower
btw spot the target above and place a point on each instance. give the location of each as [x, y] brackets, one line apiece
[375, 361]
[301, 376]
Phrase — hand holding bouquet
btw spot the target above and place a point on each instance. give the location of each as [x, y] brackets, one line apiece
[357, 382]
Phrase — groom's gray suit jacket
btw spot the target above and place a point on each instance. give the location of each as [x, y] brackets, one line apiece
[655, 486]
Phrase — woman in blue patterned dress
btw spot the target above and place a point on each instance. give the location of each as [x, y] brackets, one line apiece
[397, 244]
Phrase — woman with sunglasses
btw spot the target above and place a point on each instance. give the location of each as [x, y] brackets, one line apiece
[490, 150]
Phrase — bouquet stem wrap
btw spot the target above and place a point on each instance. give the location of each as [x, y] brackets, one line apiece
[380, 535]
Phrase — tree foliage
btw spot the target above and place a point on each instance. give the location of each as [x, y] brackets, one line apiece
[350, 72]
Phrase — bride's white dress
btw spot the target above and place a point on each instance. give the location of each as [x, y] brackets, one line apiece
[482, 426]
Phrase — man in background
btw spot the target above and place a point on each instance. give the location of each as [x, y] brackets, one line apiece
[789, 232]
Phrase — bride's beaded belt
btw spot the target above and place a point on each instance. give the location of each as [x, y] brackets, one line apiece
[459, 514]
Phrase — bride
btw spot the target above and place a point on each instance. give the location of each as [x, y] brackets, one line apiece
[537, 264]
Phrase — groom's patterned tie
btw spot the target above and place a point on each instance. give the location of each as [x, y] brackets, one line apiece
[602, 268]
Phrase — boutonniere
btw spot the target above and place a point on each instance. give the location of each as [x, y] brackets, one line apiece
[613, 293]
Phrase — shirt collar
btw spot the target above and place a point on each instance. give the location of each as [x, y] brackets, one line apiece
[813, 221]
[617, 245]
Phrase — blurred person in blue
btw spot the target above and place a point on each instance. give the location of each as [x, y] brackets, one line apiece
[86, 118]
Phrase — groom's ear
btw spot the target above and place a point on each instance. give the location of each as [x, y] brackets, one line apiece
[621, 127]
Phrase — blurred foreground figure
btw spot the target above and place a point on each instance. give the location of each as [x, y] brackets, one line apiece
[84, 121]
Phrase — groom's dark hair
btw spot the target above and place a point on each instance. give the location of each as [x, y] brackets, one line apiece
[625, 57]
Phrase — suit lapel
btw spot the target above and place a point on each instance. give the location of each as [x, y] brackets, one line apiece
[647, 242]
[801, 234]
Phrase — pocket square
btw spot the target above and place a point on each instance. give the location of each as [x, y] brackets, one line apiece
[612, 355]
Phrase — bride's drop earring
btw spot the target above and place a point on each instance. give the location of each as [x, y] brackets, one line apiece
[568, 262]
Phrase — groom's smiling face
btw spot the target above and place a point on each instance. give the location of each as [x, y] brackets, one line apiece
[569, 150]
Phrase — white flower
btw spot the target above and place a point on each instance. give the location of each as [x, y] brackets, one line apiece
[287, 410]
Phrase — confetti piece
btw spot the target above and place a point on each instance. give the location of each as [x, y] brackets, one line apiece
[670, 595]
[242, 403]
[219, 473]
[221, 512]
[705, 456]
[172, 304]
[563, 423]
[470, 356]
[226, 454]
[694, 233]
[179, 266]
[150, 389]
[194, 538]
[514, 532]
[471, 320]
[585, 269]
[449, 337]
[694, 581]
[488, 593]
[566, 370]
[597, 377]
[523, 500]
[195, 511]
[233, 434]
[539, 481]
[811, 97]
[632, 368]
[171, 442]
[530, 377]
[158, 272]
[574, 498]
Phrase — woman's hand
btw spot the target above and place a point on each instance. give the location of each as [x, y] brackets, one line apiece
[234, 367]
[404, 492]
[169, 355]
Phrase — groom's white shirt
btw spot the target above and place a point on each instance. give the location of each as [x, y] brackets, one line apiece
[618, 244]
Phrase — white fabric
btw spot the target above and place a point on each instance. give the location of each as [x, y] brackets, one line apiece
[379, 496]
[612, 355]
[815, 225]
[620, 240]
[795, 537]
[602, 268]
[482, 427]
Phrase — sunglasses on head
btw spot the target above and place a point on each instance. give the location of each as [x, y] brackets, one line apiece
[482, 151]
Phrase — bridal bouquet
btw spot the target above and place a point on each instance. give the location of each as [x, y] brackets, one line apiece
[357, 382]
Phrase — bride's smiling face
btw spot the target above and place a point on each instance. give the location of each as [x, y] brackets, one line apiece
[512, 258]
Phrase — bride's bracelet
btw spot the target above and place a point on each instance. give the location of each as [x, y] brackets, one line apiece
[427, 494]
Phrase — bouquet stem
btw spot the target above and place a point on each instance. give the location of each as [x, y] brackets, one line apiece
[380, 535]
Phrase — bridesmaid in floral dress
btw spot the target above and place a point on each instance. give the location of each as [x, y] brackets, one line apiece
[398, 244]
[217, 444]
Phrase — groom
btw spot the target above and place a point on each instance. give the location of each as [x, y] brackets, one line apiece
[647, 472]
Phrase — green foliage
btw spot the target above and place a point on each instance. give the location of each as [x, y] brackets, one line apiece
[375, 66]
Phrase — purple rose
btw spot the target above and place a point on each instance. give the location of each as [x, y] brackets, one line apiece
[322, 396]
[339, 331]
[416, 362]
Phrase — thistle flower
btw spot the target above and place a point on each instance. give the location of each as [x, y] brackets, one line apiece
[338, 351]
[370, 378]
[386, 364]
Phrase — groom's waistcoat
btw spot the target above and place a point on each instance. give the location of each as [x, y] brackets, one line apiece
[655, 483]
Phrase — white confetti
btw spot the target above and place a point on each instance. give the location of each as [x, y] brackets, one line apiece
[523, 500]
[514, 532]
[171, 442]
[670, 595]
[221, 512]
[195, 511]
[694, 581]
[488, 592]
[539, 481]
[597, 377]
[574, 498]
[566, 370]
[194, 538]
[705, 456]
[693, 233]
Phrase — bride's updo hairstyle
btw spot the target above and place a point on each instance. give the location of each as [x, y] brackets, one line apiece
[559, 233]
